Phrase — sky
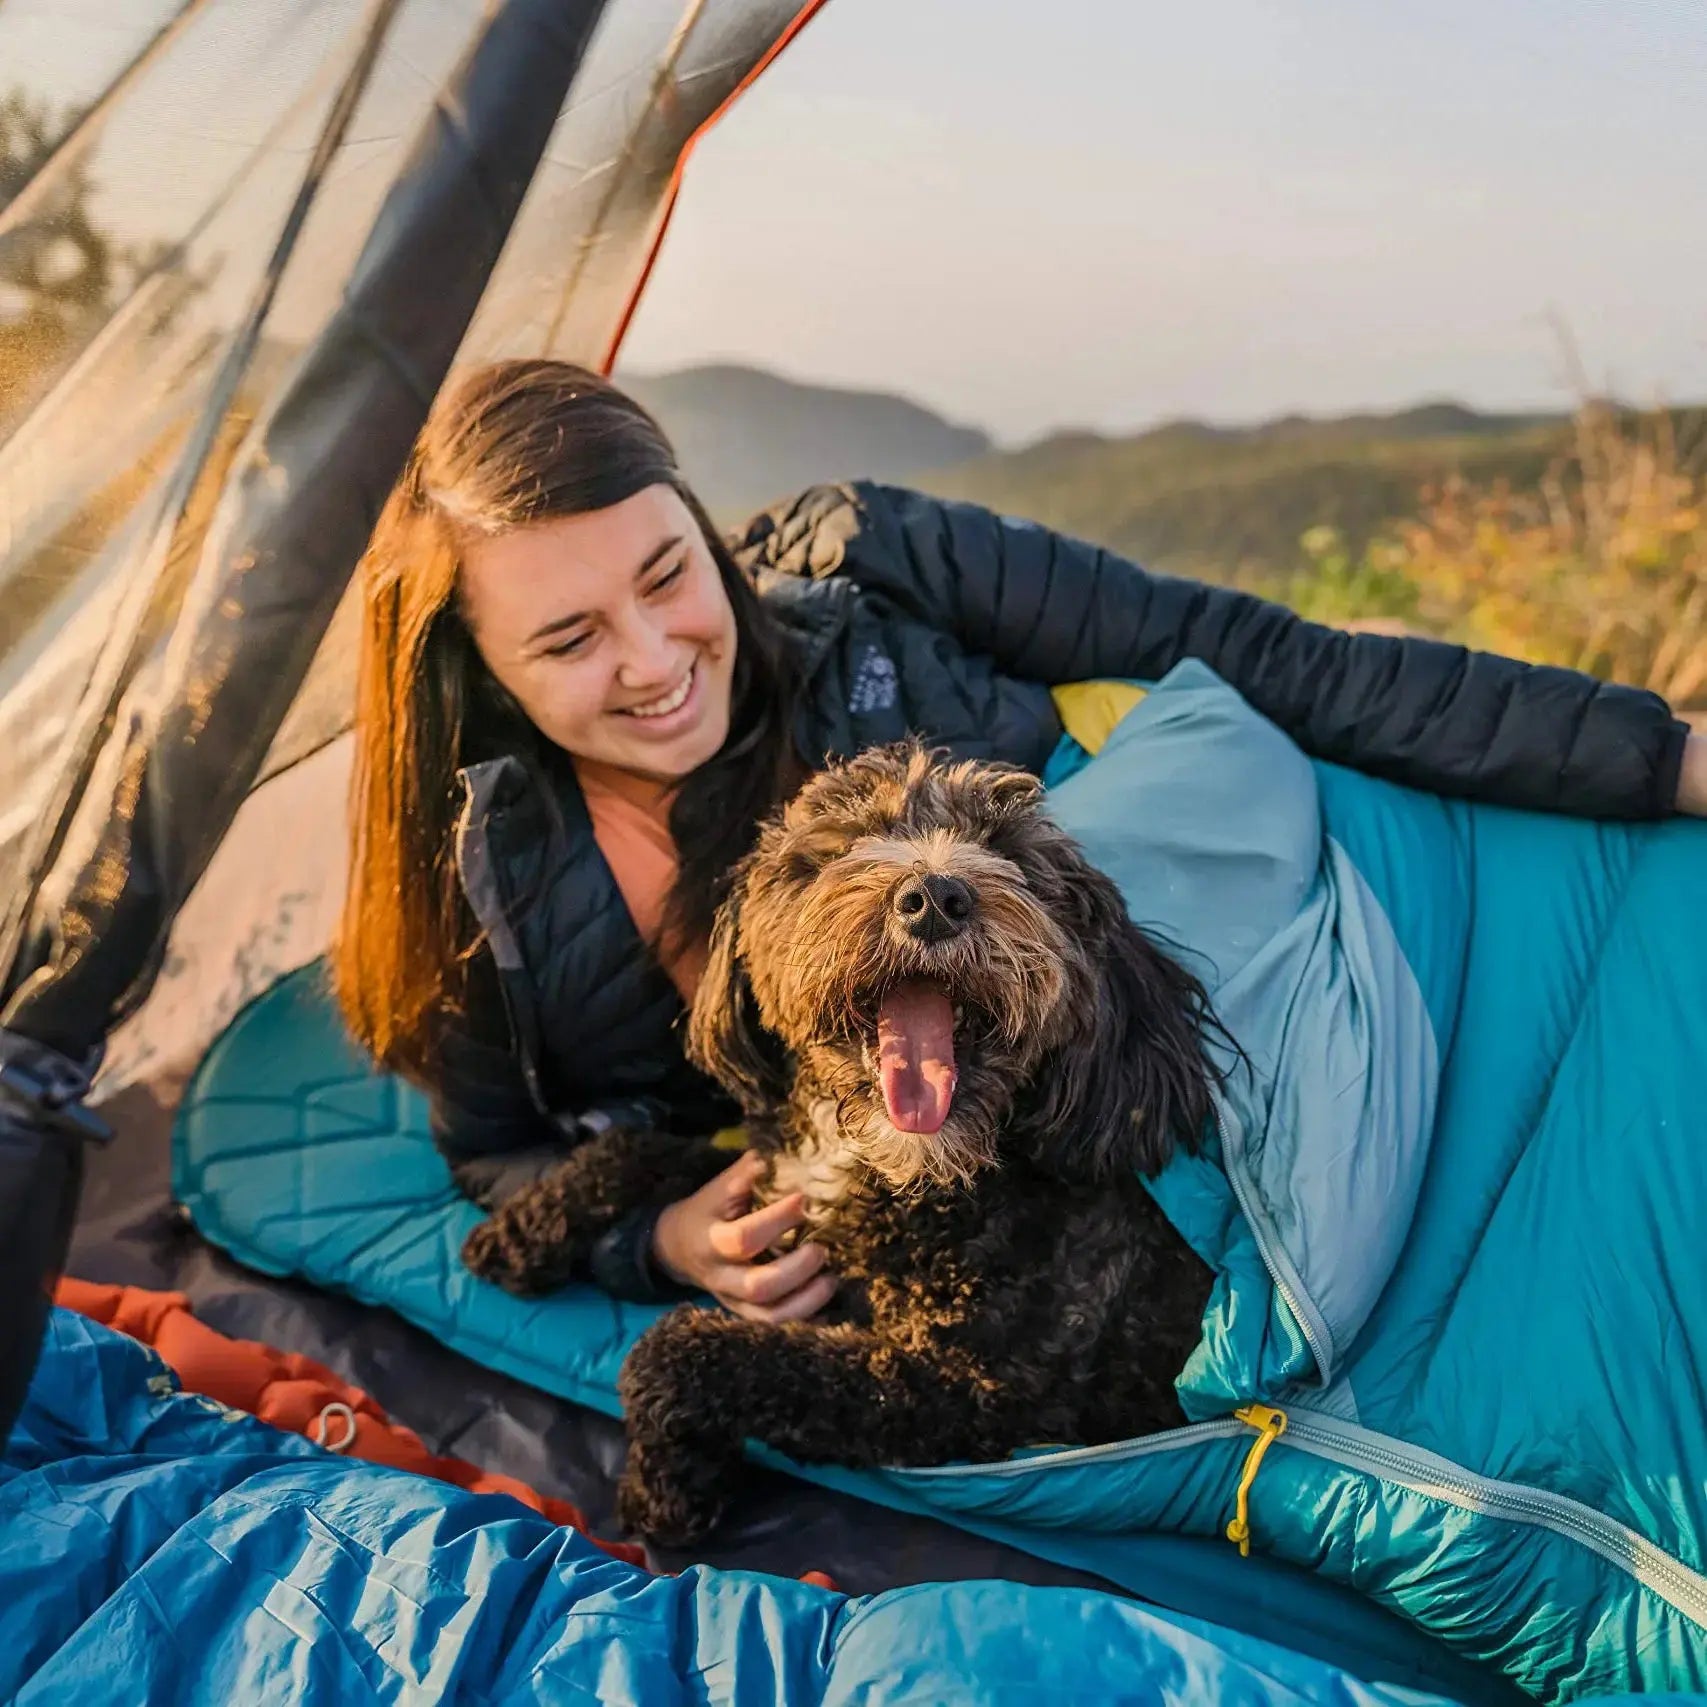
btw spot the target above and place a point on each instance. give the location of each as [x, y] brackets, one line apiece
[1105, 213]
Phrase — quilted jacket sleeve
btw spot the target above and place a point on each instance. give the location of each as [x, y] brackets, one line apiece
[1054, 609]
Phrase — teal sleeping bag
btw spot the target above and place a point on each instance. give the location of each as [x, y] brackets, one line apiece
[1454, 1355]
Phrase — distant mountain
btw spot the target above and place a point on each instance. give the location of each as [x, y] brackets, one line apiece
[1226, 502]
[1437, 419]
[1221, 502]
[746, 437]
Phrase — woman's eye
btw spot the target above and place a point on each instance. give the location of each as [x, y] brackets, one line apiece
[670, 576]
[576, 643]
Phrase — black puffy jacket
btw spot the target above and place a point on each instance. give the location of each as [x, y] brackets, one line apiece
[950, 622]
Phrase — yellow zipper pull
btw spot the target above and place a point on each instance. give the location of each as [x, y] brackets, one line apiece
[1270, 1425]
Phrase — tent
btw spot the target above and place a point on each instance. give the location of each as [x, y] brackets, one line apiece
[185, 388]
[218, 350]
[243, 241]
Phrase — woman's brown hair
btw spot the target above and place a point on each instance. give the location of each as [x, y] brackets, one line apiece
[505, 446]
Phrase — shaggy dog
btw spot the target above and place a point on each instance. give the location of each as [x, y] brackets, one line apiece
[948, 1034]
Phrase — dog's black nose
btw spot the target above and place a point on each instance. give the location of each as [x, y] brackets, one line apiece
[934, 908]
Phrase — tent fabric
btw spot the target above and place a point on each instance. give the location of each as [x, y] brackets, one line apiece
[171, 193]
[300, 497]
[163, 1548]
[1361, 941]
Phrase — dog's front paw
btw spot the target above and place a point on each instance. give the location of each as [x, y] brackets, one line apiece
[670, 1498]
[682, 1387]
[498, 1251]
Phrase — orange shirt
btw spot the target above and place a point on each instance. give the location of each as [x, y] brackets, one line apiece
[631, 824]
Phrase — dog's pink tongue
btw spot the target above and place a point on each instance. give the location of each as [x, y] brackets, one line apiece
[915, 1052]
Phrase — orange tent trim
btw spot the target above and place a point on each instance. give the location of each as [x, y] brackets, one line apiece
[795, 25]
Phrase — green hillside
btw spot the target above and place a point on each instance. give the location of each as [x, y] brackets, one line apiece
[1231, 504]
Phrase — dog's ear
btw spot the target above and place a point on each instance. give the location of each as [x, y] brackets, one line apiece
[726, 1037]
[1132, 1081]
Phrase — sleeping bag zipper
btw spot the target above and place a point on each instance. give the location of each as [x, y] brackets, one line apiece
[1270, 1425]
[1439, 1478]
[1274, 1259]
[1358, 1449]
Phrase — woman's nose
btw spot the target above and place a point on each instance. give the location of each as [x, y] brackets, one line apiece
[648, 655]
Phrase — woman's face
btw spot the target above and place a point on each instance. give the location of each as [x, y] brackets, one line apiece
[612, 630]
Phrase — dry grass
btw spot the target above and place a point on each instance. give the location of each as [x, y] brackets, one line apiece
[1601, 567]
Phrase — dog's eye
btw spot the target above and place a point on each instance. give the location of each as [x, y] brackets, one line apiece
[805, 856]
[1010, 840]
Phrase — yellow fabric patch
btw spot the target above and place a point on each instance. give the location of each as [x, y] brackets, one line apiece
[1090, 710]
[730, 1138]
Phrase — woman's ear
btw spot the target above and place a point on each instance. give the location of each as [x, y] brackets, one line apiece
[726, 1037]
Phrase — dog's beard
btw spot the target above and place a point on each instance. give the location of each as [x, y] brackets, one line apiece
[952, 1156]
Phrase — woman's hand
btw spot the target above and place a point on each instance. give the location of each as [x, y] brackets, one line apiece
[711, 1241]
[1692, 778]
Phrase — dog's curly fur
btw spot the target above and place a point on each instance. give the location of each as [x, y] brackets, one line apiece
[1004, 1281]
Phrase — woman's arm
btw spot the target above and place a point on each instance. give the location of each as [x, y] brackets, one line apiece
[1053, 609]
[1692, 777]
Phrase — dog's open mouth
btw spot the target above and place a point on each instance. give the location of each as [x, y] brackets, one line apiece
[915, 1052]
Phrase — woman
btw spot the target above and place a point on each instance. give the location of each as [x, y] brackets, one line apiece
[576, 704]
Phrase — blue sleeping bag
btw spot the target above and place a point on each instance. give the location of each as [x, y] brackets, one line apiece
[162, 1550]
[1454, 1354]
